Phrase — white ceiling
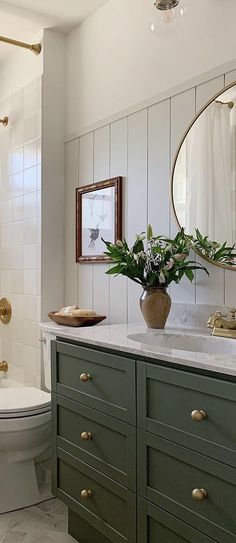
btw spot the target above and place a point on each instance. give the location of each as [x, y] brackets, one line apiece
[24, 19]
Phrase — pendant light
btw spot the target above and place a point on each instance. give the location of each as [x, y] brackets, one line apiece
[165, 15]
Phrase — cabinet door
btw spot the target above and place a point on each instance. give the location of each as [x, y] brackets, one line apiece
[100, 441]
[157, 526]
[167, 476]
[105, 505]
[99, 380]
[167, 399]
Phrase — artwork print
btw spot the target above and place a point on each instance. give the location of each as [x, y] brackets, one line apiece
[98, 213]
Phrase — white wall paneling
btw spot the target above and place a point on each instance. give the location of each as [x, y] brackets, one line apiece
[85, 176]
[159, 166]
[141, 147]
[118, 166]
[71, 176]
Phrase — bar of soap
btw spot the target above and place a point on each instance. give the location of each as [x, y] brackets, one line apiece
[83, 313]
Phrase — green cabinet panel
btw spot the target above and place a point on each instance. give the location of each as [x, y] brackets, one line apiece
[166, 399]
[111, 509]
[168, 475]
[111, 387]
[82, 531]
[111, 448]
[157, 526]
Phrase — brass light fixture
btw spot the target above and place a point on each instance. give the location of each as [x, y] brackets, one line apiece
[165, 14]
[4, 121]
[36, 48]
[166, 4]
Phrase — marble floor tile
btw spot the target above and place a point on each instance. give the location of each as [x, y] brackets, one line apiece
[45, 522]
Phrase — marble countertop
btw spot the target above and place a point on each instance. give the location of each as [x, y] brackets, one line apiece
[117, 337]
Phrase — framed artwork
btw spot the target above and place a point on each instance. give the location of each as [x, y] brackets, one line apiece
[98, 215]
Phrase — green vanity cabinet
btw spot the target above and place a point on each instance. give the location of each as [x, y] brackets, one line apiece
[142, 452]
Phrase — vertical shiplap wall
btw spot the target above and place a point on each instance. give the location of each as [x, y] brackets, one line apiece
[141, 148]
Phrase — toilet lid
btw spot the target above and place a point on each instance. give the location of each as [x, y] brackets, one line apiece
[23, 401]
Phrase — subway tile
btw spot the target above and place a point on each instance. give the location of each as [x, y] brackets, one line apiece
[17, 160]
[31, 334]
[30, 102]
[17, 108]
[18, 233]
[17, 184]
[17, 209]
[30, 257]
[6, 211]
[30, 307]
[30, 154]
[30, 128]
[30, 231]
[18, 281]
[18, 258]
[6, 235]
[6, 281]
[17, 135]
[30, 180]
[30, 206]
[30, 282]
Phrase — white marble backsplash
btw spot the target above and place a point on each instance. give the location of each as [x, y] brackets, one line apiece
[193, 315]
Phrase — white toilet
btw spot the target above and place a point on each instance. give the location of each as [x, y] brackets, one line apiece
[25, 428]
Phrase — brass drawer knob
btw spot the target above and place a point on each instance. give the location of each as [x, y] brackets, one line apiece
[85, 494]
[86, 436]
[199, 494]
[85, 377]
[198, 415]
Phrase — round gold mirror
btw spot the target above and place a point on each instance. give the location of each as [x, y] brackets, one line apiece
[204, 180]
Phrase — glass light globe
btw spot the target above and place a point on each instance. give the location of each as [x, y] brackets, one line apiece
[161, 21]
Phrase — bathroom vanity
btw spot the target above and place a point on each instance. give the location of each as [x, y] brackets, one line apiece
[144, 437]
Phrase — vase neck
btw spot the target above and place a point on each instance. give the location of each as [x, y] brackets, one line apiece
[154, 288]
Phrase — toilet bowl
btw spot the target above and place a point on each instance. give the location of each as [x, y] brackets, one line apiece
[25, 428]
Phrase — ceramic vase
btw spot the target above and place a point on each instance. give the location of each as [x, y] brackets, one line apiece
[155, 304]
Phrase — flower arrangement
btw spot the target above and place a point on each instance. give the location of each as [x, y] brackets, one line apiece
[154, 261]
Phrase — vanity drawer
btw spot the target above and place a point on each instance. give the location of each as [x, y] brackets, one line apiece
[167, 398]
[104, 443]
[99, 380]
[111, 509]
[155, 525]
[168, 474]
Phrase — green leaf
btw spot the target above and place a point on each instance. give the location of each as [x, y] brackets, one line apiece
[189, 274]
[149, 232]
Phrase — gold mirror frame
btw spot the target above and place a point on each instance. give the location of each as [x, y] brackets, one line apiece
[220, 265]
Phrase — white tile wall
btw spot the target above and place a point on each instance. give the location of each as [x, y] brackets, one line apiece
[141, 148]
[20, 196]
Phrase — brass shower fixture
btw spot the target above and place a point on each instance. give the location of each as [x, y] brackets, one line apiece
[36, 48]
[4, 121]
[5, 311]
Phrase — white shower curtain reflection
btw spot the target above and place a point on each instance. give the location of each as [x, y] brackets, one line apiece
[209, 175]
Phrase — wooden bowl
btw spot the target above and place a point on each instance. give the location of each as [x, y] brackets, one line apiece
[68, 320]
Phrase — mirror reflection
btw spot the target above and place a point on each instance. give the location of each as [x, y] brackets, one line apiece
[204, 178]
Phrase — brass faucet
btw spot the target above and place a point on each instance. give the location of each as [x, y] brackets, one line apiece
[4, 366]
[222, 326]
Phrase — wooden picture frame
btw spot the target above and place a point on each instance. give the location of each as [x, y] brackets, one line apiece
[98, 215]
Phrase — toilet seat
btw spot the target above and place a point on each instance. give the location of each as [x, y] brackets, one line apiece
[23, 402]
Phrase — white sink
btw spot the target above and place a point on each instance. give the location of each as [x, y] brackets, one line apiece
[186, 341]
